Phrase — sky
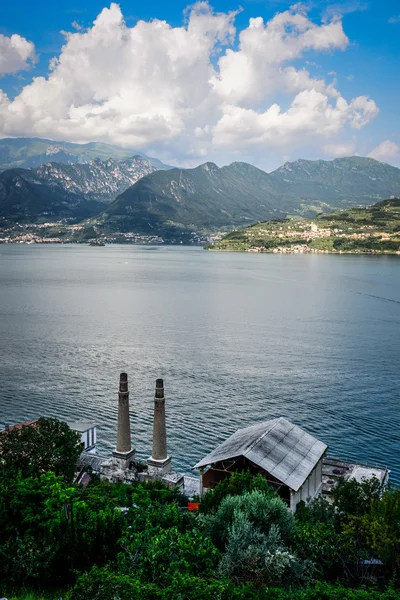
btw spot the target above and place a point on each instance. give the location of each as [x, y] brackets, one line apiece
[260, 81]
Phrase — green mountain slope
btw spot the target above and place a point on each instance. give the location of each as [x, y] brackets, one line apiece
[204, 198]
[25, 199]
[32, 152]
[209, 198]
[76, 191]
[326, 185]
[374, 229]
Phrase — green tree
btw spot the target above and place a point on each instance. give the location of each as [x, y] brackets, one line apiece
[35, 534]
[356, 498]
[379, 530]
[31, 450]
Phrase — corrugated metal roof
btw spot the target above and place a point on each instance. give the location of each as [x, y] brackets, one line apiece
[278, 446]
[81, 426]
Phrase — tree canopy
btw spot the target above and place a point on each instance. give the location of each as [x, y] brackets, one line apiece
[43, 446]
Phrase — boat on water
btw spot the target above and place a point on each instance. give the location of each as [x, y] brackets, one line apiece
[97, 243]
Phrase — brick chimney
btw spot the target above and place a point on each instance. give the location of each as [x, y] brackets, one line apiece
[159, 463]
[124, 453]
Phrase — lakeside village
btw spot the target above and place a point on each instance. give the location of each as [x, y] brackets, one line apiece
[63, 233]
[373, 230]
[293, 462]
[308, 234]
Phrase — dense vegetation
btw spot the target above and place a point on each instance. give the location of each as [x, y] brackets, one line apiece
[241, 546]
[119, 542]
[373, 229]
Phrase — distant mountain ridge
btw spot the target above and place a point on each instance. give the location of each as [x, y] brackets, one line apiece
[204, 198]
[76, 191]
[133, 194]
[27, 153]
[339, 183]
[210, 198]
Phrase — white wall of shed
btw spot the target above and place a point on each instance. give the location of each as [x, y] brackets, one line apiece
[310, 489]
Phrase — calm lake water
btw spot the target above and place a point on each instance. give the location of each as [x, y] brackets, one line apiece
[238, 338]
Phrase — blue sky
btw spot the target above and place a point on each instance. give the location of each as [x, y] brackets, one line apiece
[184, 114]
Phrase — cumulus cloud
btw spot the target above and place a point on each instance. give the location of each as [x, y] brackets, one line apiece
[258, 69]
[16, 53]
[311, 113]
[386, 151]
[189, 91]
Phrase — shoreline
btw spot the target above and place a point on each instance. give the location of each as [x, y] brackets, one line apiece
[216, 250]
[338, 252]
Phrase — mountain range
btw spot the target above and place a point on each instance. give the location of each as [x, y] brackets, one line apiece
[28, 153]
[340, 183]
[209, 197]
[76, 191]
[204, 198]
[139, 194]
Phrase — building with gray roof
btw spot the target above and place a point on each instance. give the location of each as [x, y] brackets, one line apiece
[288, 457]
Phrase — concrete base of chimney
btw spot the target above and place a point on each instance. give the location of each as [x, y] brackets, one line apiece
[158, 468]
[122, 460]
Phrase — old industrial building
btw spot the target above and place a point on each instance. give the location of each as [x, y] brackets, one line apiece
[288, 457]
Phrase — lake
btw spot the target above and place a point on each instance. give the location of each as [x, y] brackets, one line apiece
[238, 338]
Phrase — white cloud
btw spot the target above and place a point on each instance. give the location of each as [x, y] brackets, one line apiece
[363, 110]
[258, 69]
[16, 53]
[310, 114]
[394, 19]
[189, 91]
[386, 151]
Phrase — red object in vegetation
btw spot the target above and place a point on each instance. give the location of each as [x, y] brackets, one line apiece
[193, 505]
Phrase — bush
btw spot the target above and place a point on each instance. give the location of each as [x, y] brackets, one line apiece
[235, 485]
[254, 531]
[263, 511]
[104, 584]
[160, 556]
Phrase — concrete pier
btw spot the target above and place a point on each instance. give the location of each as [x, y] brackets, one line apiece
[159, 463]
[124, 453]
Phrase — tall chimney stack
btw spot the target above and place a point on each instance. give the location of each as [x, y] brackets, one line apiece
[124, 452]
[159, 463]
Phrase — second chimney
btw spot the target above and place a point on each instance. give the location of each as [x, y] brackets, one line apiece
[159, 463]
